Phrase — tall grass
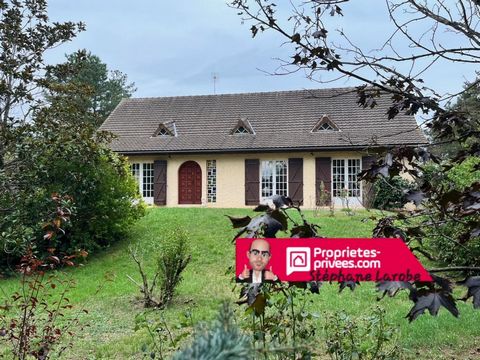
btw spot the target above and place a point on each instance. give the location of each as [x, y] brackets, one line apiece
[111, 335]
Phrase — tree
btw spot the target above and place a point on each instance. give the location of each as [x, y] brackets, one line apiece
[52, 146]
[100, 90]
[26, 35]
[395, 71]
[62, 152]
[469, 101]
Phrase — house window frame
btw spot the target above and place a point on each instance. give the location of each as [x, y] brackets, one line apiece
[243, 132]
[274, 177]
[140, 178]
[163, 132]
[326, 126]
[346, 175]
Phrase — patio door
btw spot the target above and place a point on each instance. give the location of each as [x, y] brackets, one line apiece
[345, 185]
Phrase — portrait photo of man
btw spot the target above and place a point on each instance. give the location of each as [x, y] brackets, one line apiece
[259, 256]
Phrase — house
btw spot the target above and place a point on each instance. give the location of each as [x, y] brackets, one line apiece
[234, 150]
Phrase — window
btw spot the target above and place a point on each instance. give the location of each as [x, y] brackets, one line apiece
[274, 178]
[345, 177]
[243, 127]
[353, 183]
[211, 181]
[147, 183]
[241, 130]
[163, 132]
[143, 174]
[325, 124]
[166, 129]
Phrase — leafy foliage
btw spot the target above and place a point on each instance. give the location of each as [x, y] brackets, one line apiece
[172, 257]
[447, 241]
[425, 296]
[59, 153]
[26, 34]
[52, 147]
[280, 323]
[440, 205]
[96, 90]
[222, 340]
[431, 301]
[367, 337]
[392, 287]
[390, 193]
[473, 285]
[163, 339]
[33, 322]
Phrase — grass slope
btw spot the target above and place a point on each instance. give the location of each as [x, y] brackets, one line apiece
[111, 335]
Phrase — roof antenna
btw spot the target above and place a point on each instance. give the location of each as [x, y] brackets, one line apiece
[215, 79]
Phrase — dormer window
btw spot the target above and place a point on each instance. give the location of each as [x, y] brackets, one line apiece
[166, 129]
[325, 124]
[241, 130]
[243, 127]
[163, 132]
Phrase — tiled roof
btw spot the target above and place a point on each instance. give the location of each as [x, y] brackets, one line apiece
[280, 120]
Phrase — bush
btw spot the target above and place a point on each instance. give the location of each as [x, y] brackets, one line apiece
[444, 240]
[174, 258]
[32, 325]
[465, 174]
[222, 340]
[60, 153]
[390, 193]
[367, 337]
[107, 203]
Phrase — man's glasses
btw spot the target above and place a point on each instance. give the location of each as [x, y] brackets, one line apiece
[256, 252]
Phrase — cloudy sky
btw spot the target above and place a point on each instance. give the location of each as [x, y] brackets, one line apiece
[171, 48]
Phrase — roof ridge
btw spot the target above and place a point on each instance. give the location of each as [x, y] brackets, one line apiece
[346, 88]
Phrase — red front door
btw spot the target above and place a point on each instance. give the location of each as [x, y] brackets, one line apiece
[190, 183]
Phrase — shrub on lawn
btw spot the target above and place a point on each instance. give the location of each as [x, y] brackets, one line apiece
[390, 193]
[368, 337]
[448, 251]
[63, 153]
[279, 322]
[32, 325]
[171, 258]
[222, 340]
[445, 239]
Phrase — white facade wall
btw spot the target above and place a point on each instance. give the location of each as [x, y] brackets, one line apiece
[231, 174]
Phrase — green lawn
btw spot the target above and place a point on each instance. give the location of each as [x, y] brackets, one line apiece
[110, 332]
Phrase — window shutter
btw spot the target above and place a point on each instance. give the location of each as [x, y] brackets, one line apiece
[323, 172]
[252, 181]
[160, 182]
[295, 180]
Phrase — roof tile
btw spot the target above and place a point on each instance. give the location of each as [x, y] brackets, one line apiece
[282, 120]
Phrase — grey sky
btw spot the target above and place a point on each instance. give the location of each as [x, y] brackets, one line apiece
[172, 48]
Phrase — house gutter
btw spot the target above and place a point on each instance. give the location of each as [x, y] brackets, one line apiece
[263, 150]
